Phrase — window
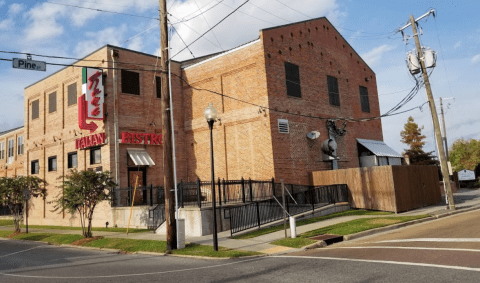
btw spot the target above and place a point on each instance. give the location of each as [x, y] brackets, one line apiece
[333, 94]
[20, 145]
[95, 156]
[158, 81]
[292, 76]
[72, 160]
[35, 167]
[364, 99]
[130, 82]
[52, 102]
[72, 94]
[2, 150]
[35, 109]
[11, 150]
[52, 163]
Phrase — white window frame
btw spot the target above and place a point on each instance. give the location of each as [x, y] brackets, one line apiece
[20, 146]
[2, 150]
[11, 151]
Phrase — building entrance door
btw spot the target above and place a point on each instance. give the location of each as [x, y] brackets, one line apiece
[140, 194]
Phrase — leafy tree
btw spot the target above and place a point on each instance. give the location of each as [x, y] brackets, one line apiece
[82, 191]
[12, 194]
[465, 154]
[412, 135]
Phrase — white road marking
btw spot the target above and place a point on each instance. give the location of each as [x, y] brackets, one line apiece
[458, 240]
[21, 251]
[387, 262]
[127, 275]
[408, 248]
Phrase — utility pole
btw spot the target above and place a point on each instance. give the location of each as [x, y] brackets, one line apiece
[436, 124]
[166, 130]
[444, 129]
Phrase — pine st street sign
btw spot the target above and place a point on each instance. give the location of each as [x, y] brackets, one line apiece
[27, 64]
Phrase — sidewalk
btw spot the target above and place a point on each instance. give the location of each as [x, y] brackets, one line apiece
[464, 199]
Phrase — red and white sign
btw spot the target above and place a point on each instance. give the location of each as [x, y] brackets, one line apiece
[141, 138]
[90, 141]
[91, 103]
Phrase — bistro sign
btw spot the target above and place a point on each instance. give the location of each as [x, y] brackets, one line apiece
[90, 141]
[141, 138]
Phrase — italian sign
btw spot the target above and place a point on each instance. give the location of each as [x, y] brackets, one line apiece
[91, 103]
[90, 141]
[27, 64]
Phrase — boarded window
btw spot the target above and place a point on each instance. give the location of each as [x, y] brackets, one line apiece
[333, 94]
[35, 109]
[130, 82]
[364, 99]
[52, 102]
[292, 76]
[35, 167]
[158, 81]
[72, 94]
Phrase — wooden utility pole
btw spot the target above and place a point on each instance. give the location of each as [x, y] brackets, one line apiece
[436, 124]
[167, 131]
[444, 129]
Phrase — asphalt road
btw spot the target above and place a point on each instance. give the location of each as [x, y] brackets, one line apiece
[445, 250]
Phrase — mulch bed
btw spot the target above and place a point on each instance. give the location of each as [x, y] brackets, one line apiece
[81, 242]
[14, 234]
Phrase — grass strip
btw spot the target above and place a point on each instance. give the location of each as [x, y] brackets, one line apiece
[129, 245]
[98, 229]
[6, 222]
[276, 228]
[346, 228]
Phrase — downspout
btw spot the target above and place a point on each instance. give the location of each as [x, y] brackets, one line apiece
[115, 128]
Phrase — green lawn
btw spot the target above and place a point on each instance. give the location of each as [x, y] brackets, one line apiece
[129, 245]
[98, 229]
[346, 228]
[272, 229]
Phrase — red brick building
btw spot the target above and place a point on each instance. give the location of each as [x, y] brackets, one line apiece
[269, 94]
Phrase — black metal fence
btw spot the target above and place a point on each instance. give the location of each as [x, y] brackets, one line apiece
[5, 211]
[298, 199]
[156, 216]
[146, 195]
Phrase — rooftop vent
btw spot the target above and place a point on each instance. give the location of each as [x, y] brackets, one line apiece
[283, 126]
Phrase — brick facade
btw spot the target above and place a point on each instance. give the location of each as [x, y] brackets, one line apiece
[247, 142]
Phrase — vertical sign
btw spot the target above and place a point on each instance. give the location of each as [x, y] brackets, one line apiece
[93, 89]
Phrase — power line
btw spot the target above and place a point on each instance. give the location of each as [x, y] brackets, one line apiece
[211, 28]
[200, 9]
[100, 10]
[182, 40]
[269, 12]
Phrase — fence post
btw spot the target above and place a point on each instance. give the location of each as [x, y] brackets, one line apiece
[251, 189]
[219, 192]
[243, 190]
[258, 215]
[199, 194]
[224, 195]
[151, 194]
[181, 193]
[273, 187]
[312, 199]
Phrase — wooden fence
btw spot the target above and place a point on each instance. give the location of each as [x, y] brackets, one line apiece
[386, 188]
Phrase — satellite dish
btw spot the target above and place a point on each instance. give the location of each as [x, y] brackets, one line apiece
[313, 135]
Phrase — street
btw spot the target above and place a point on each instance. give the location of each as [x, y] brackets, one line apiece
[444, 250]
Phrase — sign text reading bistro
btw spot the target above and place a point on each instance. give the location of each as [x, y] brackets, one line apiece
[141, 138]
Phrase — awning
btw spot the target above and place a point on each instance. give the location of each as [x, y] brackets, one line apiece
[379, 148]
[140, 157]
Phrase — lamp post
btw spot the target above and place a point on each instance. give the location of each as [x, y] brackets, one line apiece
[211, 115]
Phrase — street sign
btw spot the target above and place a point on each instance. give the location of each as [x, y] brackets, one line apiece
[27, 64]
[466, 175]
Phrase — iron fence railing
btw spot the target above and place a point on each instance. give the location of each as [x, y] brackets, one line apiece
[145, 195]
[156, 216]
[298, 199]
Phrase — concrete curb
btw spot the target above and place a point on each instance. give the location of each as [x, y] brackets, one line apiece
[405, 224]
[319, 244]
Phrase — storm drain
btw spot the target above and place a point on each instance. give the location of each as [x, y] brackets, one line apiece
[328, 238]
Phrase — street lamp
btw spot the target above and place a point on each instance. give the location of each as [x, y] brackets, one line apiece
[211, 115]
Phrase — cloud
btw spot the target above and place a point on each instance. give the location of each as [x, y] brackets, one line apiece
[476, 59]
[375, 55]
[2, 2]
[136, 44]
[6, 24]
[44, 22]
[457, 45]
[15, 8]
[95, 40]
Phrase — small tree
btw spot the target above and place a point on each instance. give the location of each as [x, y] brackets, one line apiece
[412, 135]
[12, 194]
[465, 154]
[82, 191]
